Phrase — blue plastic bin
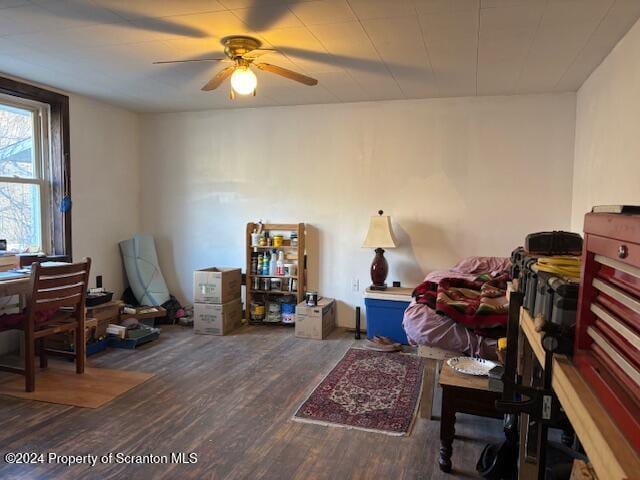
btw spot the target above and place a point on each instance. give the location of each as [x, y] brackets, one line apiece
[384, 318]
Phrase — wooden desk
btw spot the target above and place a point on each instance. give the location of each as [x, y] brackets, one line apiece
[8, 288]
[12, 288]
[609, 452]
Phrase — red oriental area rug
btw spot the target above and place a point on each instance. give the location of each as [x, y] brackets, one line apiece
[367, 390]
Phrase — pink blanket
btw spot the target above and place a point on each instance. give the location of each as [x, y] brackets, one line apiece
[426, 327]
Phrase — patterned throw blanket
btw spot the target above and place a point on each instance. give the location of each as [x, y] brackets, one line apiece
[479, 304]
[10, 321]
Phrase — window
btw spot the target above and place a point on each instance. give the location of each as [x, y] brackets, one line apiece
[24, 175]
[35, 186]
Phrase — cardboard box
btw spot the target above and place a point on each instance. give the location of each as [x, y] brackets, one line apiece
[7, 262]
[316, 322]
[105, 314]
[216, 319]
[216, 285]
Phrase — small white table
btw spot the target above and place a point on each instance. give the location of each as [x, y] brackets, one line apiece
[395, 294]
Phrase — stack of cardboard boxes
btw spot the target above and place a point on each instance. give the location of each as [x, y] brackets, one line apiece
[217, 307]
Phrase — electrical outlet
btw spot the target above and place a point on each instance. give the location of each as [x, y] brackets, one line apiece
[355, 285]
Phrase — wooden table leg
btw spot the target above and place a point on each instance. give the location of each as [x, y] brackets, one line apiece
[428, 387]
[447, 429]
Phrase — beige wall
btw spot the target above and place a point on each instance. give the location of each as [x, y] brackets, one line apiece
[105, 182]
[463, 176]
[105, 185]
[607, 146]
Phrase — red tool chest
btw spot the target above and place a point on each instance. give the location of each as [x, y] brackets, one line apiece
[607, 348]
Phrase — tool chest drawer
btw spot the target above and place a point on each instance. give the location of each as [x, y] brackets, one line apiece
[607, 348]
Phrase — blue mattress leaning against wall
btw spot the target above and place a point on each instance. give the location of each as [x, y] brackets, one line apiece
[141, 265]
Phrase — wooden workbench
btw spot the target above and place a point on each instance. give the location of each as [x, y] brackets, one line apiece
[609, 452]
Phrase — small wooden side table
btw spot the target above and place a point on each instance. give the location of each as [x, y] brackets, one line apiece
[433, 360]
[462, 394]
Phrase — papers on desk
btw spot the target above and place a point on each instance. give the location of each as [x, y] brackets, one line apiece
[18, 273]
[13, 275]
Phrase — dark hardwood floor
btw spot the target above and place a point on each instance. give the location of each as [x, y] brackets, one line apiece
[228, 399]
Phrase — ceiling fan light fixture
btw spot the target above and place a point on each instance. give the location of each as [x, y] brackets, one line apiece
[243, 81]
[243, 51]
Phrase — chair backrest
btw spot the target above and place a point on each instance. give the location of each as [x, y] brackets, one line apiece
[53, 287]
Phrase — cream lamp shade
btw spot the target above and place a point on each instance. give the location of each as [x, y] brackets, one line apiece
[380, 234]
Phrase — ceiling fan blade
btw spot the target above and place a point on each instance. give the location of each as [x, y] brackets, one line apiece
[290, 74]
[347, 61]
[94, 13]
[258, 52]
[193, 60]
[220, 77]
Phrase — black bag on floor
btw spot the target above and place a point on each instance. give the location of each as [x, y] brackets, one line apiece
[499, 461]
[172, 306]
[129, 298]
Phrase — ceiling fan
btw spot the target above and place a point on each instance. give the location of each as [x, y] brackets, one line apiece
[242, 51]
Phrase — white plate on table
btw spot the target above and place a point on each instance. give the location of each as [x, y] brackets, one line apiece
[471, 366]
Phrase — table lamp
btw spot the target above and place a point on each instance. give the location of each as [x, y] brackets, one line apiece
[379, 236]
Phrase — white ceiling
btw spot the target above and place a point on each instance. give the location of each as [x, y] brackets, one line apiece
[358, 49]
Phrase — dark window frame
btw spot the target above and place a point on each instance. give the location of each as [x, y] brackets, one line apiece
[60, 156]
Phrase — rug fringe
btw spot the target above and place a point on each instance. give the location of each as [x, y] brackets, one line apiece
[349, 427]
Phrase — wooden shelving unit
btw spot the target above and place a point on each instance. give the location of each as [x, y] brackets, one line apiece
[293, 254]
[610, 453]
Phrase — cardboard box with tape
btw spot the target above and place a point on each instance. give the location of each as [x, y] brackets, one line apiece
[316, 322]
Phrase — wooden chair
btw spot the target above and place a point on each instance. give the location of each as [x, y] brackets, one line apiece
[27, 259]
[55, 304]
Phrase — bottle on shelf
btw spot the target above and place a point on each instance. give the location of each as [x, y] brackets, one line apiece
[272, 263]
[280, 263]
[265, 263]
[255, 261]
